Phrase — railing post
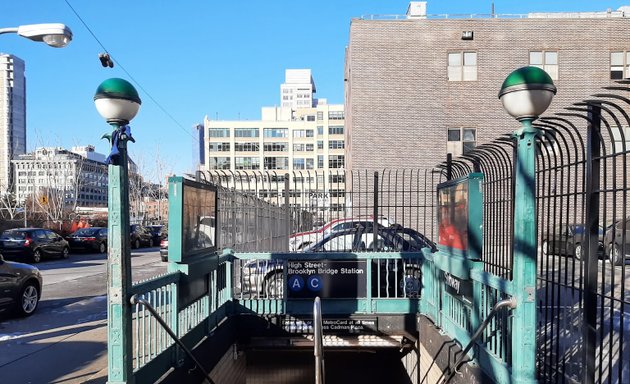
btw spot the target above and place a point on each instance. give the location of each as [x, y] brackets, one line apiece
[287, 207]
[449, 166]
[524, 265]
[119, 338]
[375, 213]
[592, 168]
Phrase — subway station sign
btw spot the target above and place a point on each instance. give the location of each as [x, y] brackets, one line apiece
[327, 279]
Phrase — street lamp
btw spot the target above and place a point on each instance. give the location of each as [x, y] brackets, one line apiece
[117, 101]
[54, 34]
[526, 94]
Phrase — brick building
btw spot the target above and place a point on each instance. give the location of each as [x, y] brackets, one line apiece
[418, 87]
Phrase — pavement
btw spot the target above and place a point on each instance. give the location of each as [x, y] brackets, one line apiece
[65, 340]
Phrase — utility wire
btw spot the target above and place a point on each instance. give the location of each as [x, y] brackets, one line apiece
[131, 77]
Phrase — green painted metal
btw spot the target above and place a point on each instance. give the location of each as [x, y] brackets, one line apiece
[527, 78]
[119, 352]
[475, 216]
[524, 264]
[116, 88]
[175, 218]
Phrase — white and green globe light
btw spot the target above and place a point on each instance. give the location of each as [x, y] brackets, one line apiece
[527, 93]
[117, 101]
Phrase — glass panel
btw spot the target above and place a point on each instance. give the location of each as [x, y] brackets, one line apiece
[616, 73]
[454, 134]
[470, 73]
[470, 134]
[470, 58]
[552, 70]
[551, 58]
[616, 58]
[535, 58]
[454, 73]
[468, 147]
[454, 59]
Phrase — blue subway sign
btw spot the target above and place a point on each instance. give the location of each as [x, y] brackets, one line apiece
[336, 279]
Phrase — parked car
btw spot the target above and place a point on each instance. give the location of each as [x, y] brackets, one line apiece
[33, 244]
[617, 240]
[164, 249]
[265, 277]
[20, 287]
[89, 239]
[568, 239]
[140, 236]
[158, 232]
[298, 241]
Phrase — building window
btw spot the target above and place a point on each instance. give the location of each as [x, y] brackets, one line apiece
[320, 130]
[310, 163]
[546, 60]
[320, 144]
[310, 118]
[246, 132]
[320, 116]
[219, 132]
[309, 148]
[246, 147]
[219, 163]
[220, 147]
[335, 130]
[335, 161]
[276, 163]
[299, 164]
[276, 147]
[337, 178]
[619, 65]
[298, 147]
[320, 161]
[335, 115]
[246, 163]
[335, 144]
[461, 140]
[303, 133]
[462, 66]
[276, 132]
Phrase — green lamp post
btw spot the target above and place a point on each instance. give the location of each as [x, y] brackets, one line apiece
[526, 94]
[117, 101]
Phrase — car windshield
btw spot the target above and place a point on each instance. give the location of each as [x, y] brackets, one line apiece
[13, 235]
[86, 232]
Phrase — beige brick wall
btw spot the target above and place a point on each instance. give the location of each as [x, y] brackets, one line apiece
[399, 102]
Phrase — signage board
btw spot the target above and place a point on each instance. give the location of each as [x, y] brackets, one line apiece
[460, 288]
[307, 279]
[332, 326]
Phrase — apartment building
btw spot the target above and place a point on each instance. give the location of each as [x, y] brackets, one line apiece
[303, 138]
[420, 86]
[12, 116]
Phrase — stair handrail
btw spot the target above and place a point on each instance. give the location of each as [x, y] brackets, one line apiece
[318, 341]
[510, 303]
[137, 300]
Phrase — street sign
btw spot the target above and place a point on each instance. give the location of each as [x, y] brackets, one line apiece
[326, 279]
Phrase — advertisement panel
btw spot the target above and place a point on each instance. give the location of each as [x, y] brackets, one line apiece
[453, 216]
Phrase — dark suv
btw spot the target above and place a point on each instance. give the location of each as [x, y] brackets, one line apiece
[140, 236]
[32, 244]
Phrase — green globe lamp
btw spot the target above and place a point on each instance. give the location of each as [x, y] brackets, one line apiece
[117, 101]
[527, 93]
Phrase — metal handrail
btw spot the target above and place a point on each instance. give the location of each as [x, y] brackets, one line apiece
[510, 303]
[136, 300]
[318, 341]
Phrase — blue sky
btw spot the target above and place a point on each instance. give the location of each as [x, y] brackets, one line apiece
[195, 58]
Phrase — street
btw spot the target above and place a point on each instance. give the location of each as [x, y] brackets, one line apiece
[65, 341]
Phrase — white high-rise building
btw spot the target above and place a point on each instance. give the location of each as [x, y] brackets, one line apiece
[298, 89]
[12, 116]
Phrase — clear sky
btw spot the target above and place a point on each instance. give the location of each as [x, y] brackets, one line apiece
[195, 58]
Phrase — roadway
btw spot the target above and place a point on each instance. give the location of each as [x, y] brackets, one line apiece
[65, 341]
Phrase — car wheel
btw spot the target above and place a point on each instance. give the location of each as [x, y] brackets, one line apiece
[37, 256]
[29, 299]
[410, 284]
[102, 248]
[65, 253]
[545, 248]
[137, 244]
[577, 252]
[273, 286]
[151, 243]
[614, 255]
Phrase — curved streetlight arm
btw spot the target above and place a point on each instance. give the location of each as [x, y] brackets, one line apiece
[8, 30]
[56, 35]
